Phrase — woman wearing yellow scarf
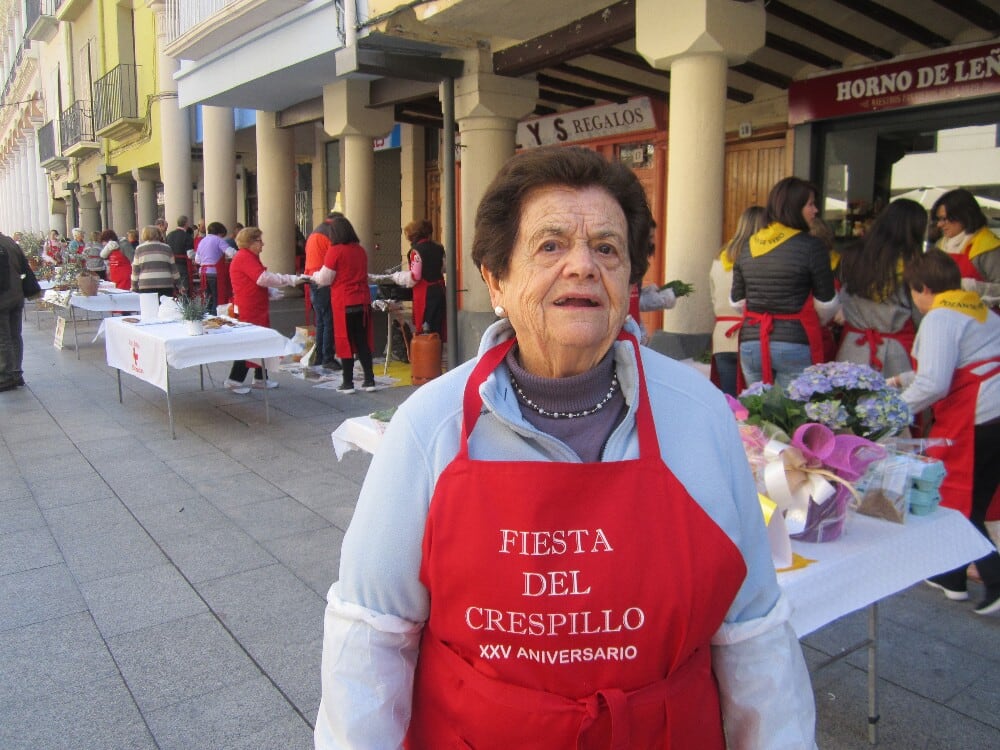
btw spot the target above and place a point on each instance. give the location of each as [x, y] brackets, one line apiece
[783, 277]
[958, 374]
[970, 243]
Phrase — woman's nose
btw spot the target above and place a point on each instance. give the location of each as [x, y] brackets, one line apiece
[580, 260]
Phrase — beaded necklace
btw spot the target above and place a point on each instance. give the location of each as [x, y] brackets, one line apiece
[566, 414]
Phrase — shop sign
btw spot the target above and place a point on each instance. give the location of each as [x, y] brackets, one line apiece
[957, 74]
[393, 140]
[587, 124]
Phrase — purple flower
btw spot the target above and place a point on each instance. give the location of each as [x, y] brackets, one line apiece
[756, 389]
[830, 413]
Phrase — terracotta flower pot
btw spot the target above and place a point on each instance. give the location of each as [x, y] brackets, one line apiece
[87, 284]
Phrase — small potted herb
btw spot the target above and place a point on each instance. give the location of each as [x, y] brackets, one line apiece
[193, 310]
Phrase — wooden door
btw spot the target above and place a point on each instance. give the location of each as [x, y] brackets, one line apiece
[751, 170]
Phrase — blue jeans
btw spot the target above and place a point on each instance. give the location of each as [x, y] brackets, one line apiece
[787, 361]
[725, 366]
[323, 320]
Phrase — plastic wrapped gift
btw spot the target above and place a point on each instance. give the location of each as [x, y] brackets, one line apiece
[811, 479]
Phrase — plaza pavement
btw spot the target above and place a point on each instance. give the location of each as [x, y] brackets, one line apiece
[159, 593]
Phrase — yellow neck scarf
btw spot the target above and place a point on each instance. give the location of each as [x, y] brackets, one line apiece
[769, 238]
[727, 265]
[982, 242]
[967, 303]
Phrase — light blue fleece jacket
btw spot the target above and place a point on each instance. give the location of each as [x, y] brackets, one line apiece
[379, 603]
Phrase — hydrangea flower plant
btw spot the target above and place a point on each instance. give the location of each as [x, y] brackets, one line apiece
[844, 396]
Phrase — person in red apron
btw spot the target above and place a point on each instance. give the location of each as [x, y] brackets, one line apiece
[783, 275]
[556, 545]
[725, 335]
[966, 236]
[958, 353]
[345, 271]
[426, 262]
[879, 316]
[210, 255]
[251, 281]
[119, 267]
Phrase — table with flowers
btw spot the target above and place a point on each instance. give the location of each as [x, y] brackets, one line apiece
[108, 299]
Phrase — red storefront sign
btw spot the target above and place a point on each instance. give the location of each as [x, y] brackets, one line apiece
[957, 74]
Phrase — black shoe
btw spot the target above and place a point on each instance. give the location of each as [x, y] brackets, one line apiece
[990, 604]
[955, 595]
[369, 385]
[346, 388]
[8, 386]
[333, 365]
[19, 381]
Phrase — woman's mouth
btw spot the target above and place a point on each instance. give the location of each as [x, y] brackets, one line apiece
[576, 302]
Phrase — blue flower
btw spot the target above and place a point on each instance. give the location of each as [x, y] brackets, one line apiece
[757, 389]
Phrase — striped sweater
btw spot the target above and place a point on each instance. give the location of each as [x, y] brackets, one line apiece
[153, 267]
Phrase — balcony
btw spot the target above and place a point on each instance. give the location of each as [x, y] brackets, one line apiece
[76, 125]
[41, 20]
[198, 27]
[116, 103]
[48, 153]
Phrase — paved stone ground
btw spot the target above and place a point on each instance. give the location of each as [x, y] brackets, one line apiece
[159, 593]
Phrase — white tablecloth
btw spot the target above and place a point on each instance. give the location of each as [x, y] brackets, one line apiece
[104, 301]
[875, 559]
[872, 560]
[145, 350]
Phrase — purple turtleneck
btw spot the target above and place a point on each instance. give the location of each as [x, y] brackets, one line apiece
[585, 435]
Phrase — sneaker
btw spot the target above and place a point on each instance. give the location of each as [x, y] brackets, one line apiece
[990, 604]
[955, 596]
[369, 386]
[259, 384]
[333, 366]
[237, 387]
[346, 388]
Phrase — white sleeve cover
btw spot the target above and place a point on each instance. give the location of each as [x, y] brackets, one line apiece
[652, 298]
[367, 677]
[274, 280]
[324, 276]
[826, 310]
[764, 687]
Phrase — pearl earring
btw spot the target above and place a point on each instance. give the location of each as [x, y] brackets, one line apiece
[499, 311]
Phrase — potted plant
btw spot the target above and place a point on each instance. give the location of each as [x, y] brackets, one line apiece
[193, 310]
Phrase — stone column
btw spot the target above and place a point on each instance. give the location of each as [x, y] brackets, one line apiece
[122, 205]
[30, 182]
[276, 193]
[57, 217]
[220, 165]
[90, 212]
[175, 128]
[413, 187]
[487, 109]
[145, 208]
[42, 187]
[319, 207]
[22, 197]
[696, 42]
[346, 115]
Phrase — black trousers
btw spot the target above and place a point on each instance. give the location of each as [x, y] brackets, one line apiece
[985, 478]
[357, 334]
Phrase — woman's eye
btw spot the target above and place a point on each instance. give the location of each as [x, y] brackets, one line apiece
[549, 247]
[606, 249]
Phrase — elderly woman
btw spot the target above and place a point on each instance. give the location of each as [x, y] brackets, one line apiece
[119, 266]
[782, 276]
[576, 555]
[251, 282]
[966, 237]
[153, 268]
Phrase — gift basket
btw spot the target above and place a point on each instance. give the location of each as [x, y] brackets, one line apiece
[811, 445]
[905, 481]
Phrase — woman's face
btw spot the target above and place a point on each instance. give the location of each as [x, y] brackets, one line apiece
[566, 289]
[257, 245]
[948, 227]
[809, 210]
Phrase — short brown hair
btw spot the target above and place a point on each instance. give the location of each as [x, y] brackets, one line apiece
[934, 270]
[498, 217]
[247, 236]
[417, 229]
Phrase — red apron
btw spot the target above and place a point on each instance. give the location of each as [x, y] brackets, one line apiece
[222, 293]
[570, 602]
[874, 338]
[806, 316]
[420, 305]
[955, 418]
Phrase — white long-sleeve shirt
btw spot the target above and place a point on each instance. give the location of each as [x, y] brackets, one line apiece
[946, 341]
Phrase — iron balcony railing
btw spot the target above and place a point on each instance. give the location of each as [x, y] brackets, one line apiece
[116, 96]
[76, 124]
[15, 63]
[46, 137]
